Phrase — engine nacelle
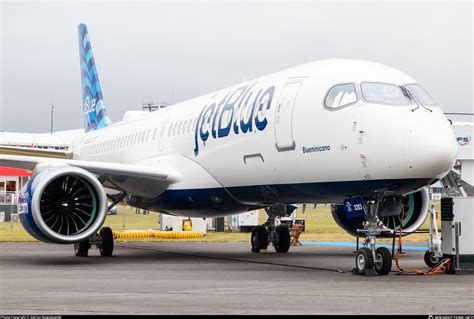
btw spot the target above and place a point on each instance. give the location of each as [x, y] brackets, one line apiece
[62, 204]
[416, 211]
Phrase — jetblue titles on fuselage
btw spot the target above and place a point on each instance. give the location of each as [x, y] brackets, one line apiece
[241, 111]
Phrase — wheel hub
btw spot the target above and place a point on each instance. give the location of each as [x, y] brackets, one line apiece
[378, 261]
[361, 261]
[255, 240]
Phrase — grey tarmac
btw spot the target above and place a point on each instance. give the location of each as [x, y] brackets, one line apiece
[217, 278]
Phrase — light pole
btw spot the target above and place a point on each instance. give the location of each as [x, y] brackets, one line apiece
[52, 114]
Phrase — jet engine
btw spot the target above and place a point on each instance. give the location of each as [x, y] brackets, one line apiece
[62, 204]
[416, 211]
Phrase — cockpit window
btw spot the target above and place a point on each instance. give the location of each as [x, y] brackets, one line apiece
[384, 93]
[421, 94]
[341, 95]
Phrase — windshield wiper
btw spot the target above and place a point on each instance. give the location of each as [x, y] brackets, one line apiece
[412, 97]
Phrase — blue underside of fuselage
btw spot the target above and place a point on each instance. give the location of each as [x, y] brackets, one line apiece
[209, 202]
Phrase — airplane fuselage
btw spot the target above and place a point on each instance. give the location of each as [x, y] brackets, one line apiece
[273, 140]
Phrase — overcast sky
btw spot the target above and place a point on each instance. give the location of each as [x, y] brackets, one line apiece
[175, 51]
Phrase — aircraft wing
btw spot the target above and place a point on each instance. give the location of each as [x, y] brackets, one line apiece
[140, 180]
[14, 150]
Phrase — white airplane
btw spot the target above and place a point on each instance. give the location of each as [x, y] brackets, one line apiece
[361, 135]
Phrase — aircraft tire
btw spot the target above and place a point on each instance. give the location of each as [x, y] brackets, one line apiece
[283, 235]
[259, 239]
[81, 249]
[430, 259]
[107, 242]
[383, 261]
[364, 260]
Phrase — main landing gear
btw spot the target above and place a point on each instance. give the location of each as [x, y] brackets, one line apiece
[272, 231]
[371, 261]
[104, 241]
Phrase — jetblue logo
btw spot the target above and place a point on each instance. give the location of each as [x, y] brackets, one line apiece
[89, 106]
[238, 112]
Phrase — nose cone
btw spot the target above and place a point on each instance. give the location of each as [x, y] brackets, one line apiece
[430, 153]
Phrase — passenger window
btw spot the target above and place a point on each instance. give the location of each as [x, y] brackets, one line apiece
[341, 95]
[174, 129]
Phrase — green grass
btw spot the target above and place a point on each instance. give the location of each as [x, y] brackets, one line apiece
[320, 226]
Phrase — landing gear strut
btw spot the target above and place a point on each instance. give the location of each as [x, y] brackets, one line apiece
[104, 241]
[434, 254]
[369, 259]
[272, 231]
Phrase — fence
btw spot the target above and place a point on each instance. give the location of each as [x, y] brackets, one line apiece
[8, 198]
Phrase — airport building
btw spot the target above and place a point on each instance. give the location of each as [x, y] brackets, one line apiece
[11, 182]
[57, 141]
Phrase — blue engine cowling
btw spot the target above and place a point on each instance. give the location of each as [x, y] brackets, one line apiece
[416, 212]
[62, 205]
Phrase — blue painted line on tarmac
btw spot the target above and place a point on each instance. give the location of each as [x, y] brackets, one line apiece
[352, 244]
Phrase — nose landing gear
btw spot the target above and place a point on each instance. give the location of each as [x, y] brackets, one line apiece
[369, 259]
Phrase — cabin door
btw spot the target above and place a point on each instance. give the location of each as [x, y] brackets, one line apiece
[284, 117]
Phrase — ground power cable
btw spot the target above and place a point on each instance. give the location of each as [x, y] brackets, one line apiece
[235, 259]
